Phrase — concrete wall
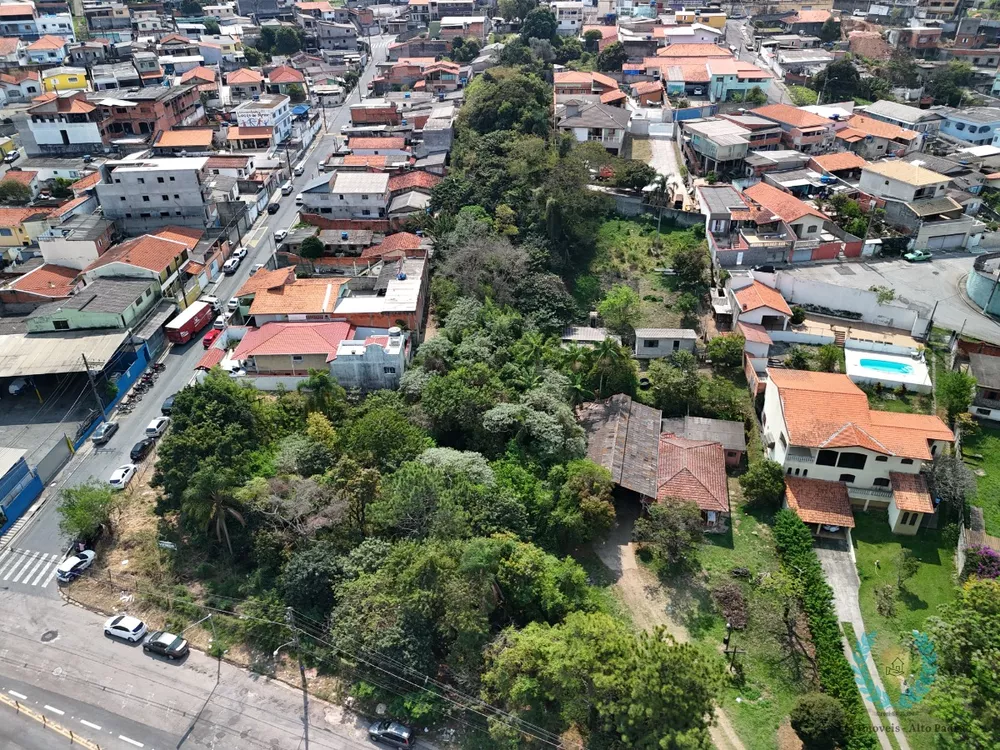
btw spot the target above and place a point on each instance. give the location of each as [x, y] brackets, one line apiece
[877, 346]
[806, 336]
[980, 287]
[798, 290]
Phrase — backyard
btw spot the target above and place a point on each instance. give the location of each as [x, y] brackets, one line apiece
[981, 452]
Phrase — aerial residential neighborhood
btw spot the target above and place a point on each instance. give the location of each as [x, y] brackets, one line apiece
[499, 374]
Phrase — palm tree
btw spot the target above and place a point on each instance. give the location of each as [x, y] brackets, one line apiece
[576, 357]
[208, 502]
[608, 355]
[579, 392]
[322, 391]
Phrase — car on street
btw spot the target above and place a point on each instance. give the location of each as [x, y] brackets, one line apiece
[230, 266]
[219, 324]
[391, 733]
[141, 449]
[256, 268]
[168, 404]
[299, 200]
[12, 157]
[280, 235]
[273, 208]
[166, 644]
[74, 565]
[121, 476]
[240, 252]
[126, 627]
[210, 338]
[233, 305]
[917, 256]
[157, 427]
[104, 433]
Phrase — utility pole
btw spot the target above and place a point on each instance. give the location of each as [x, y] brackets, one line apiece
[93, 385]
[290, 619]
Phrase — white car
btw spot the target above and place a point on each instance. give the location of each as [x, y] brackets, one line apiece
[231, 265]
[256, 268]
[299, 200]
[219, 324]
[122, 476]
[157, 427]
[280, 235]
[213, 301]
[126, 627]
[74, 565]
[233, 305]
[240, 252]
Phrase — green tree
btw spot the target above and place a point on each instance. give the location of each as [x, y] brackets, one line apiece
[756, 97]
[324, 395]
[690, 263]
[584, 508]
[621, 310]
[255, 58]
[592, 40]
[632, 174]
[612, 57]
[672, 529]
[837, 82]
[594, 673]
[612, 369]
[85, 510]
[211, 26]
[966, 638]
[955, 390]
[296, 93]
[720, 398]
[60, 188]
[948, 83]
[954, 483]
[763, 484]
[674, 383]
[263, 621]
[797, 358]
[830, 31]
[14, 192]
[287, 41]
[726, 351]
[901, 69]
[385, 438]
[828, 357]
[208, 502]
[539, 23]
[312, 248]
[507, 99]
[511, 9]
[191, 8]
[308, 578]
[569, 49]
[819, 721]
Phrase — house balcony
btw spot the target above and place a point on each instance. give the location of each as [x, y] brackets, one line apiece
[879, 494]
[799, 458]
[807, 138]
[767, 240]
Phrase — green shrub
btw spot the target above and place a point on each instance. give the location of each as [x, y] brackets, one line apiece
[795, 549]
[818, 719]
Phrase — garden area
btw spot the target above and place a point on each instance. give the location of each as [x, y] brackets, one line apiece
[981, 452]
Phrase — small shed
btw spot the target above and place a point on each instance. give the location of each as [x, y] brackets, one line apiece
[651, 343]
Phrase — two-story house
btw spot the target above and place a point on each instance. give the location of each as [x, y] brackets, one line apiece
[269, 111]
[244, 84]
[596, 122]
[919, 41]
[48, 50]
[975, 125]
[837, 452]
[569, 17]
[905, 116]
[64, 124]
[800, 130]
[986, 370]
[720, 145]
[873, 139]
[348, 195]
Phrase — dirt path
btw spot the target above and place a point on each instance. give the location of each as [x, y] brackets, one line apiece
[650, 606]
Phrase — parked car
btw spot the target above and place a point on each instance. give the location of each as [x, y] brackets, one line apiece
[280, 235]
[126, 627]
[698, 91]
[104, 433]
[210, 338]
[74, 565]
[233, 305]
[157, 427]
[141, 449]
[121, 476]
[230, 266]
[240, 252]
[219, 324]
[168, 404]
[273, 208]
[12, 157]
[299, 200]
[166, 644]
[391, 733]
[918, 256]
[256, 268]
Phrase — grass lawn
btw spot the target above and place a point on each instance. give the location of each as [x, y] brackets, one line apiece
[920, 598]
[640, 149]
[758, 706]
[987, 444]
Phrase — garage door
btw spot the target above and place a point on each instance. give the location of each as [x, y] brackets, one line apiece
[802, 255]
[945, 241]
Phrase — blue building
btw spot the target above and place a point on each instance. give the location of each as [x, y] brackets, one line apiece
[19, 486]
[975, 125]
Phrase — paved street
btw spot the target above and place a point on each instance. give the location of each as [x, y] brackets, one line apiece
[56, 659]
[739, 35]
[29, 557]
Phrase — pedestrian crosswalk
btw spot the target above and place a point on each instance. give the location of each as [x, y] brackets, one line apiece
[22, 567]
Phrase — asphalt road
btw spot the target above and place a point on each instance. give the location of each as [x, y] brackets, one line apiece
[30, 556]
[739, 34]
[55, 659]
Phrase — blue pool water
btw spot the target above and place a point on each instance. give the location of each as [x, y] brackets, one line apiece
[886, 366]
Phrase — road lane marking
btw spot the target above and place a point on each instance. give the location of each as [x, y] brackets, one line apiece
[88, 724]
[11, 565]
[2, 556]
[18, 695]
[14, 567]
[55, 710]
[41, 559]
[130, 740]
[51, 576]
[42, 571]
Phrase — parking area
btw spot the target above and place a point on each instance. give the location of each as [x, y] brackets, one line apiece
[32, 424]
[917, 285]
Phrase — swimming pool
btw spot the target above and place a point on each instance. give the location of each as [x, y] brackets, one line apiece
[886, 366]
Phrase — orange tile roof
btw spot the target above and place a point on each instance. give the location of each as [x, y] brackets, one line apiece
[47, 42]
[69, 205]
[86, 182]
[789, 115]
[393, 144]
[48, 280]
[175, 38]
[605, 80]
[237, 133]
[277, 339]
[749, 70]
[646, 87]
[200, 73]
[777, 201]
[754, 333]
[412, 180]
[243, 76]
[20, 75]
[12, 217]
[879, 129]
[304, 296]
[693, 50]
[909, 492]
[9, 45]
[758, 295]
[284, 74]
[213, 356]
[227, 161]
[401, 241]
[16, 9]
[850, 135]
[839, 161]
[692, 470]
[610, 97]
[827, 410]
[265, 279]
[314, 6]
[816, 501]
[808, 16]
[187, 236]
[607, 32]
[362, 160]
[22, 177]
[149, 252]
[196, 137]
[571, 76]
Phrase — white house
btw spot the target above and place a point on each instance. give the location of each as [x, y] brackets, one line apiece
[376, 361]
[348, 195]
[595, 122]
[269, 111]
[651, 343]
[569, 17]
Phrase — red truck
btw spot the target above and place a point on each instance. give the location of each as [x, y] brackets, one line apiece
[189, 321]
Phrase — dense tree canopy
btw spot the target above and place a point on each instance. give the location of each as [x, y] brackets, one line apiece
[507, 99]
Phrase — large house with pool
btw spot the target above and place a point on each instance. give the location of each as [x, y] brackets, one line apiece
[839, 455]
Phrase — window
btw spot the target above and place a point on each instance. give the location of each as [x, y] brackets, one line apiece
[677, 345]
[364, 197]
[172, 179]
[142, 181]
[159, 179]
[848, 478]
[784, 443]
[138, 301]
[880, 482]
[164, 214]
[366, 212]
[881, 459]
[60, 325]
[811, 229]
[906, 461]
[905, 520]
[145, 198]
[852, 461]
[389, 370]
[296, 358]
[914, 518]
[5, 232]
[166, 197]
[960, 126]
[826, 458]
[650, 343]
[984, 412]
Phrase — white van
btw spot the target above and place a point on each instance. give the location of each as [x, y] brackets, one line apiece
[299, 200]
[287, 188]
[300, 169]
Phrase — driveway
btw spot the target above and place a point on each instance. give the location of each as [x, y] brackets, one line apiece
[917, 285]
[842, 575]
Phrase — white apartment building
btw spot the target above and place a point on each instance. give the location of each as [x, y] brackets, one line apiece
[269, 111]
[569, 17]
[348, 195]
